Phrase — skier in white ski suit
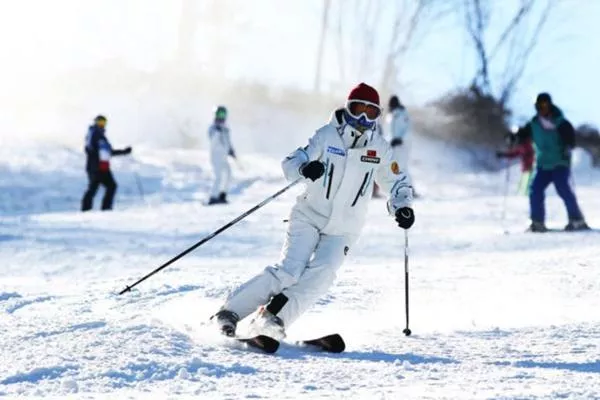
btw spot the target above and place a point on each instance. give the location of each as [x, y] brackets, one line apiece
[220, 149]
[399, 126]
[340, 163]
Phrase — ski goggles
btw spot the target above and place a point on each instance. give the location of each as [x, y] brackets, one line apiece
[363, 109]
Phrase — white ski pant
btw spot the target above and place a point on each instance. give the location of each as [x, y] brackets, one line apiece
[222, 172]
[308, 268]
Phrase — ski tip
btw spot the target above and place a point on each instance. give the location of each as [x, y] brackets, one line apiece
[333, 343]
[261, 342]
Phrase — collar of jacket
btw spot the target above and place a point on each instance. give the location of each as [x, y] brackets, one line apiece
[351, 137]
[96, 128]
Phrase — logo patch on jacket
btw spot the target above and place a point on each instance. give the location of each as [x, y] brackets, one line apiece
[371, 157]
[395, 168]
[335, 150]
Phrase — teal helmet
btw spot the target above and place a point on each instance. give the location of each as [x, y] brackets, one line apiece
[220, 113]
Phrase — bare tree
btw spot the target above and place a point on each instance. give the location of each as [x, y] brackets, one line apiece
[375, 36]
[515, 42]
[322, 40]
[411, 22]
[188, 24]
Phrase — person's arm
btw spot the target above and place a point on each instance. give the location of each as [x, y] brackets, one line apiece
[305, 161]
[230, 152]
[121, 152]
[517, 151]
[524, 133]
[398, 186]
[567, 134]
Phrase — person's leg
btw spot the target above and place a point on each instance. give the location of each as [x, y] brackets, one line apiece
[300, 242]
[110, 184]
[225, 179]
[561, 178]
[316, 279]
[217, 167]
[88, 197]
[537, 196]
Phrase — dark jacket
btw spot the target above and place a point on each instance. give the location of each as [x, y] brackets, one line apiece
[99, 150]
[552, 145]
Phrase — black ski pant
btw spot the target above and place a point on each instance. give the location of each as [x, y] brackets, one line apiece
[96, 179]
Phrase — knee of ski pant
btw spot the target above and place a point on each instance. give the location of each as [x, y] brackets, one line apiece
[322, 280]
[536, 192]
[561, 182]
[285, 277]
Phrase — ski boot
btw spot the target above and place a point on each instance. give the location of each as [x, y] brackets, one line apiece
[267, 324]
[213, 201]
[222, 198]
[577, 225]
[226, 321]
[538, 227]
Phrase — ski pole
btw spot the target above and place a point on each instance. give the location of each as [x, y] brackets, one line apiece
[212, 235]
[506, 189]
[510, 138]
[139, 185]
[407, 330]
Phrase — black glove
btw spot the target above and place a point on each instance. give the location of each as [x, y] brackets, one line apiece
[313, 170]
[396, 142]
[500, 154]
[122, 152]
[405, 217]
[231, 153]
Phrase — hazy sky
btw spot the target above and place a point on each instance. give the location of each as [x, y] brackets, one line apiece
[275, 41]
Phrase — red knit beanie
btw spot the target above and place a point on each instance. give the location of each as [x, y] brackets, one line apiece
[364, 92]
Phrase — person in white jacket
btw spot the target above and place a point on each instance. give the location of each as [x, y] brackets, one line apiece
[339, 165]
[220, 149]
[399, 131]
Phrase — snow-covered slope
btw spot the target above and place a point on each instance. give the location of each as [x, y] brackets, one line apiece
[493, 315]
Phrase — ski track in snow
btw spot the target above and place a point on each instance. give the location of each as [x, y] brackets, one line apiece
[494, 314]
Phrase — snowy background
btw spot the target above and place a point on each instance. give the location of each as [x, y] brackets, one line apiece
[496, 313]
[493, 315]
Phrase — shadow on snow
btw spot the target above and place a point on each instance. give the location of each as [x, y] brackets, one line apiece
[593, 366]
[293, 352]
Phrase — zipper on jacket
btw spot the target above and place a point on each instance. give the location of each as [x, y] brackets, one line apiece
[362, 188]
[330, 175]
[326, 172]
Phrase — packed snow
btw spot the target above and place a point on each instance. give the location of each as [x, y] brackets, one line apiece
[496, 313]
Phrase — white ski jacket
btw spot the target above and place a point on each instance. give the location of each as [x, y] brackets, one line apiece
[337, 202]
[399, 124]
[220, 143]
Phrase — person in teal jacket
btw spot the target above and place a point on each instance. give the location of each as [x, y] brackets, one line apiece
[553, 139]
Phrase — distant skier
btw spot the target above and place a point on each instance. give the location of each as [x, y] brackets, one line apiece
[339, 166]
[526, 153]
[99, 151]
[399, 131]
[553, 139]
[220, 149]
